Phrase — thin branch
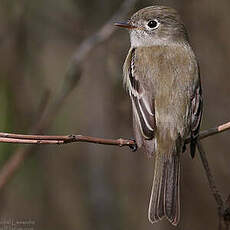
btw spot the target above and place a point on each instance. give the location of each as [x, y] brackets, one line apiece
[44, 139]
[211, 181]
[212, 131]
[40, 139]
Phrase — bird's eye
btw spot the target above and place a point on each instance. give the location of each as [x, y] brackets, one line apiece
[153, 24]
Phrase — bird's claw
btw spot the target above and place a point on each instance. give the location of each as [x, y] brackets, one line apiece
[133, 146]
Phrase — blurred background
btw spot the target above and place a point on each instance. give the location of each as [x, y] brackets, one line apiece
[87, 186]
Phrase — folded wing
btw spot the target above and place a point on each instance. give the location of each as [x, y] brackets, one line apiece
[142, 103]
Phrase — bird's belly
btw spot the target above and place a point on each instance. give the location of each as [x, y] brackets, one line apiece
[172, 116]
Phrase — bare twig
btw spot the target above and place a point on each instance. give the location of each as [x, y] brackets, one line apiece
[71, 80]
[44, 139]
[212, 131]
[210, 178]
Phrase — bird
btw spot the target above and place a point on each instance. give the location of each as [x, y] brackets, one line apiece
[162, 77]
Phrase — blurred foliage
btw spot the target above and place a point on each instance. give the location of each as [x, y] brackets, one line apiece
[84, 186]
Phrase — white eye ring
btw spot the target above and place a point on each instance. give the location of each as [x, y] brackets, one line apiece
[153, 24]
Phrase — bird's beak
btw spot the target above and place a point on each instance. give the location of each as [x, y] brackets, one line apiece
[125, 25]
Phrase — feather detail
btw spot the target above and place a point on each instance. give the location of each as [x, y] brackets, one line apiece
[197, 107]
[142, 105]
[165, 195]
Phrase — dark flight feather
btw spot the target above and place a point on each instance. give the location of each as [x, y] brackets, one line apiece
[197, 108]
[141, 105]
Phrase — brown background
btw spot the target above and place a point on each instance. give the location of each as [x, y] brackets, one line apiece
[86, 186]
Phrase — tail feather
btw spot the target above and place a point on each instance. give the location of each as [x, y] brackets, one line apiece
[165, 200]
[172, 208]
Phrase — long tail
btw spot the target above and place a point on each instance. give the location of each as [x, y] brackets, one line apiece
[165, 196]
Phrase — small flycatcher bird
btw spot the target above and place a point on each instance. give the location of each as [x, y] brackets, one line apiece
[161, 75]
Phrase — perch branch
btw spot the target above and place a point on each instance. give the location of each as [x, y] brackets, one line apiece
[44, 139]
[212, 131]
